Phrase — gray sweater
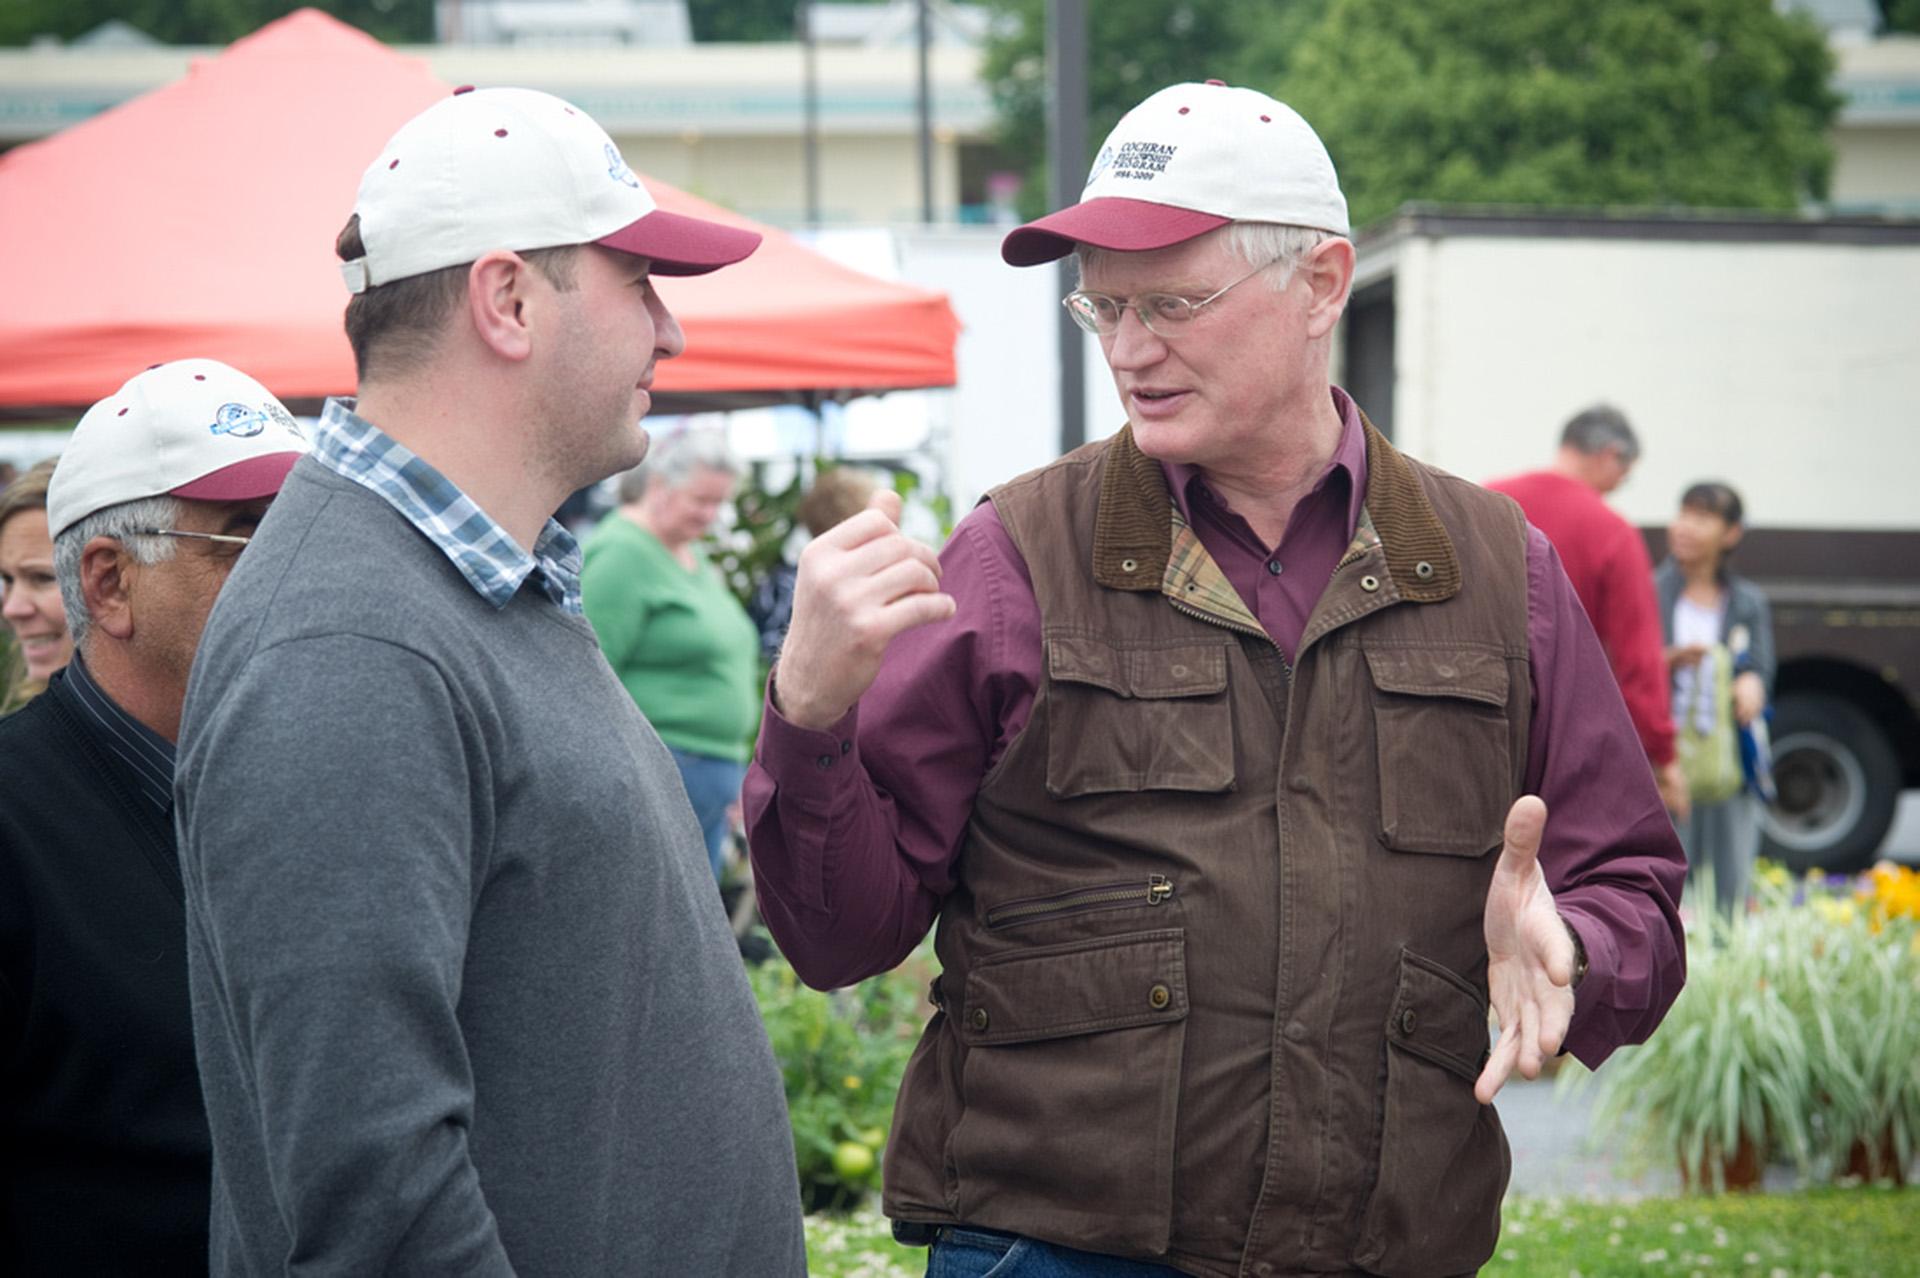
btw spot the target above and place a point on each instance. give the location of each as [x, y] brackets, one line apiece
[463, 994]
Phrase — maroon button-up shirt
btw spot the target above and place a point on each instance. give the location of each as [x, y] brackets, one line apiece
[854, 830]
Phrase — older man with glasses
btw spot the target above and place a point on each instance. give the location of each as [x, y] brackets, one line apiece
[1218, 749]
[104, 1154]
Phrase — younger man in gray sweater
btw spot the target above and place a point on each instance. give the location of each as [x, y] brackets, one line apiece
[463, 996]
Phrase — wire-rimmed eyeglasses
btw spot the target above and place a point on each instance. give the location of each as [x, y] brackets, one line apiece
[224, 539]
[1164, 314]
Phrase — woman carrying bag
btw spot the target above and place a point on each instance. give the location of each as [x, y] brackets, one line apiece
[1719, 636]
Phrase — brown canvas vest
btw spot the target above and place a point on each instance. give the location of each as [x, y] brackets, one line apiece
[1213, 980]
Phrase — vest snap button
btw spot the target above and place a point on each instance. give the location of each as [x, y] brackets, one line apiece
[1423, 570]
[1158, 997]
[1369, 583]
[978, 1018]
[1409, 1021]
[1128, 565]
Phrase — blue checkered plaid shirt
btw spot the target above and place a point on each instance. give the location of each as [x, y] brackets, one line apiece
[491, 561]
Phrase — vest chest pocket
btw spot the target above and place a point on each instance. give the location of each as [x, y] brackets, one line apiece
[1443, 745]
[1125, 719]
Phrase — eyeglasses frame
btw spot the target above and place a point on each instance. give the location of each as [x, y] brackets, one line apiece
[1138, 305]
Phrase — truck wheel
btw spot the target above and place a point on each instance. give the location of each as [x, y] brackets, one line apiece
[1838, 783]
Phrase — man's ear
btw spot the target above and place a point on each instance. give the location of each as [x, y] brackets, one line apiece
[1328, 271]
[107, 574]
[497, 303]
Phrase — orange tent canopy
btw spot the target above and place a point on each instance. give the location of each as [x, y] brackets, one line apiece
[199, 219]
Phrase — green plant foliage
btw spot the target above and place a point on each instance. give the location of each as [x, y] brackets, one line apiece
[841, 1056]
[1901, 15]
[208, 21]
[1798, 1033]
[1713, 103]
[1843, 1233]
[1134, 48]
[763, 520]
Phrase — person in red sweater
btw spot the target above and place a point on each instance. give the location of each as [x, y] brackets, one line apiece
[1607, 562]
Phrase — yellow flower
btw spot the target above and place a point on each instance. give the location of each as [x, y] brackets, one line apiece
[1773, 874]
[852, 1082]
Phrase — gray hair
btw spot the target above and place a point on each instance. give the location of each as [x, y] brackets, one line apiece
[1599, 429]
[1254, 243]
[121, 523]
[674, 460]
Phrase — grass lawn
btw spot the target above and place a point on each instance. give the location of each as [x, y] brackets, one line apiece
[1821, 1233]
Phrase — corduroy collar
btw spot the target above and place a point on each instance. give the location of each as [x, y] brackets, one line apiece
[1133, 532]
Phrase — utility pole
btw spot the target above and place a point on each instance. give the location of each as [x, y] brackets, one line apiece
[1066, 167]
[810, 108]
[925, 35]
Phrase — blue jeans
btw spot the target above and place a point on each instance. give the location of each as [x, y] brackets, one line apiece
[987, 1253]
[713, 786]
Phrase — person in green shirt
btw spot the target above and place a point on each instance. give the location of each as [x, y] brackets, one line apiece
[681, 644]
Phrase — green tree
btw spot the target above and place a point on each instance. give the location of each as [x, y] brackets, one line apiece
[1134, 48]
[1712, 103]
[207, 21]
[1901, 15]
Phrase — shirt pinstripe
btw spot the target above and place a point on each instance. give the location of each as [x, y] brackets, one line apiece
[486, 555]
[148, 754]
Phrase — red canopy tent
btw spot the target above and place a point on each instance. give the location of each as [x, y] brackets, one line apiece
[199, 219]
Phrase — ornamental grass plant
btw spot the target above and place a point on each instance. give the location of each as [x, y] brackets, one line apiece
[1796, 1039]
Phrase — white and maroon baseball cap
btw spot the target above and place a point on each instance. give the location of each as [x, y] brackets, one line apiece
[516, 169]
[1191, 158]
[191, 428]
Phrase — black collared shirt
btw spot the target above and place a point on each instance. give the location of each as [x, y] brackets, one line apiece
[148, 754]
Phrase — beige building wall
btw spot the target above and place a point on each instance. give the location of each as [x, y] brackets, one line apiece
[1776, 366]
[863, 178]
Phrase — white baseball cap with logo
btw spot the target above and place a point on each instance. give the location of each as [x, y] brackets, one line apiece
[191, 428]
[1191, 158]
[516, 169]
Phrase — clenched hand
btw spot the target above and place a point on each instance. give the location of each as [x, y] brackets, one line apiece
[860, 584]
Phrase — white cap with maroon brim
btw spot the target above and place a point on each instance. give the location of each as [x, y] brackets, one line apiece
[191, 428]
[516, 169]
[1189, 159]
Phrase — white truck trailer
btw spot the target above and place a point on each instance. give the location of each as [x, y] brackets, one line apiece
[1779, 354]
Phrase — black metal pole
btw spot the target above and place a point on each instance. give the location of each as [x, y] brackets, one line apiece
[926, 112]
[810, 109]
[1066, 167]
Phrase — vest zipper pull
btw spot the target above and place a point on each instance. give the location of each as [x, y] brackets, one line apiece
[1159, 888]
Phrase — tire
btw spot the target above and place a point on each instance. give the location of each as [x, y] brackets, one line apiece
[1838, 782]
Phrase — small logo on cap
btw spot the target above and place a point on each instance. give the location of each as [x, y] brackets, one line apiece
[1101, 163]
[617, 168]
[239, 421]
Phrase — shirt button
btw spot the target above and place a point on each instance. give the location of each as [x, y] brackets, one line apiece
[1296, 1032]
[1274, 567]
[824, 762]
[846, 747]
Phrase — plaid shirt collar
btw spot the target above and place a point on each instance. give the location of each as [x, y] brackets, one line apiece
[491, 561]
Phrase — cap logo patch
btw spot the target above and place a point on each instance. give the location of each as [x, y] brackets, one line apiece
[1142, 161]
[1101, 163]
[238, 421]
[617, 168]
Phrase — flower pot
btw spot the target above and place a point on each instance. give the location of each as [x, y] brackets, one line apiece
[1876, 1160]
[1740, 1173]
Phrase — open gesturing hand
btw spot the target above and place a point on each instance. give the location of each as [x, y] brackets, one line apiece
[1530, 956]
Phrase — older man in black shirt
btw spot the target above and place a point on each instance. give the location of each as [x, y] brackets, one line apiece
[104, 1156]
